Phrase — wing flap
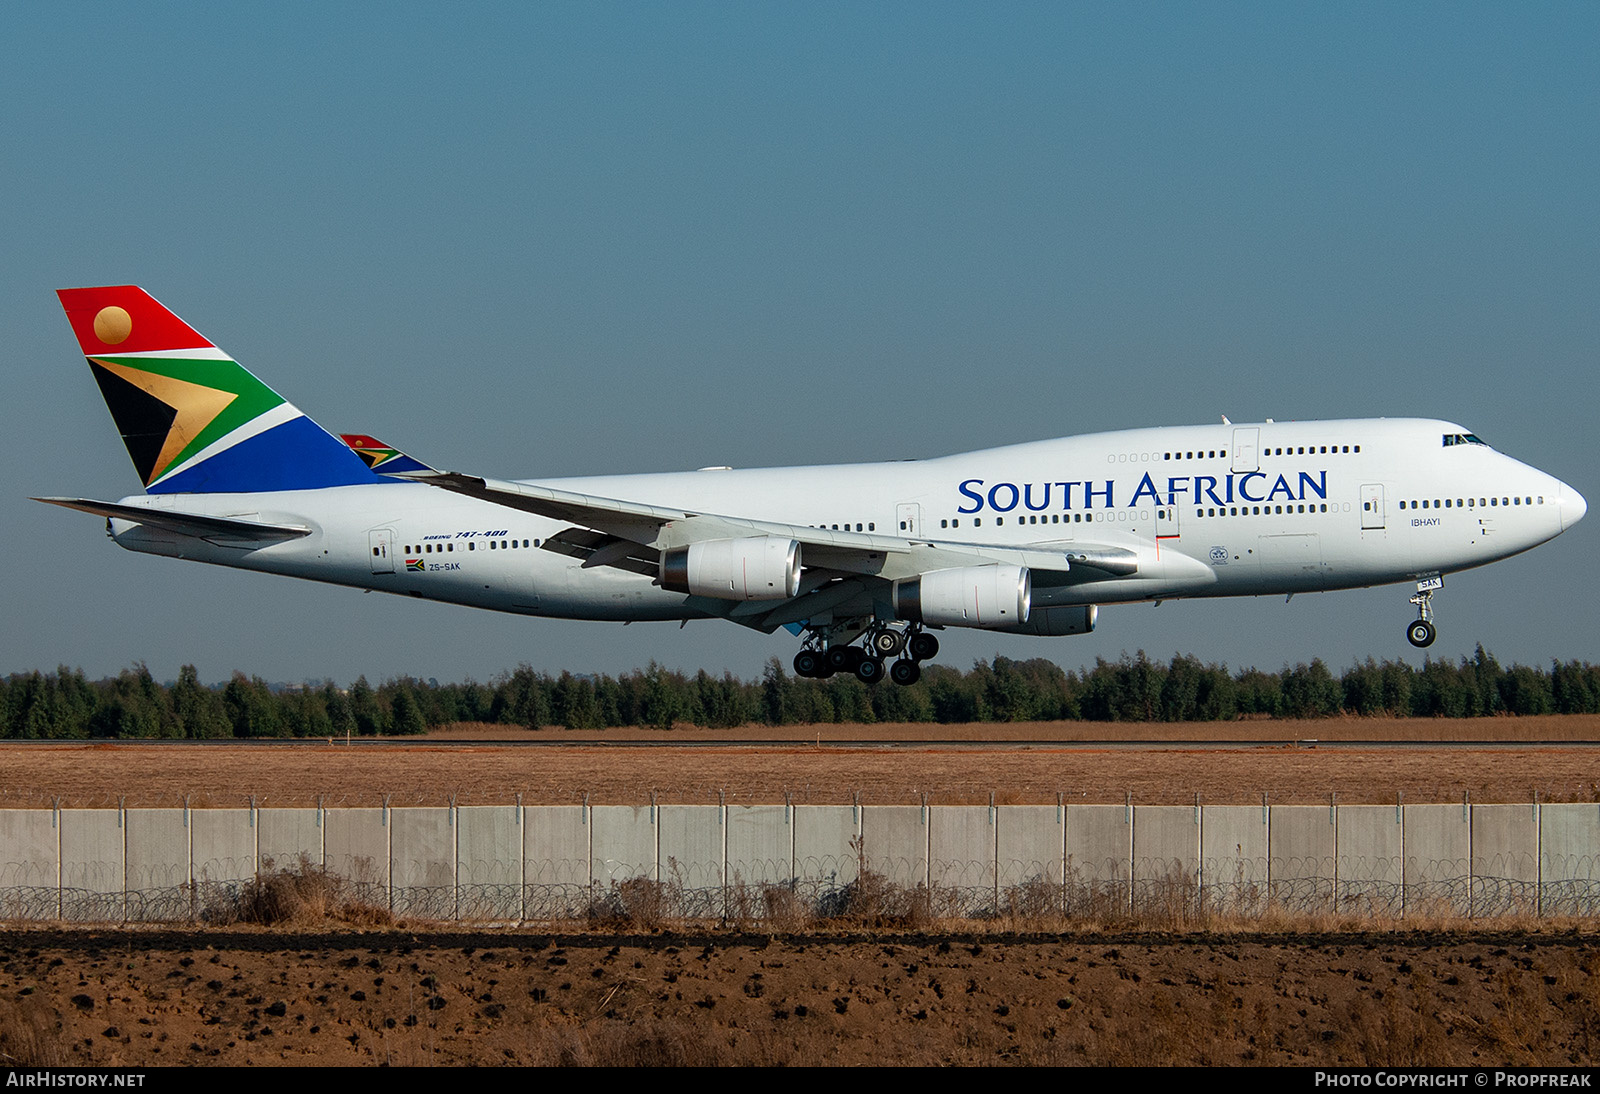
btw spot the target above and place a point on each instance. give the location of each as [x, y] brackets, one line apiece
[598, 549]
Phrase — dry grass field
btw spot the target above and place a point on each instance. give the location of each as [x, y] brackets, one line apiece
[1359, 760]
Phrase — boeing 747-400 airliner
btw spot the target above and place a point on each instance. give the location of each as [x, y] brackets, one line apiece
[864, 561]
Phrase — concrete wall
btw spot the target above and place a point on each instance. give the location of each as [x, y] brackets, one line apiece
[488, 861]
[622, 861]
[1300, 858]
[1166, 858]
[285, 838]
[1569, 859]
[760, 845]
[895, 842]
[356, 847]
[1505, 859]
[1233, 859]
[692, 855]
[1438, 860]
[422, 862]
[1099, 862]
[1030, 850]
[827, 841]
[1369, 871]
[30, 886]
[222, 843]
[555, 861]
[158, 857]
[961, 859]
[755, 862]
[92, 865]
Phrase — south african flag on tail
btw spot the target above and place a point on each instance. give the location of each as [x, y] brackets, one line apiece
[193, 419]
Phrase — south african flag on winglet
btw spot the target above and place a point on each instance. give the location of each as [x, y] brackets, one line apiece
[382, 458]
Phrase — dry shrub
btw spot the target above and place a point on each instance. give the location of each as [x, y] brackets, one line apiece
[873, 901]
[1168, 903]
[30, 1035]
[1517, 1035]
[1032, 904]
[637, 903]
[1395, 1032]
[766, 906]
[304, 894]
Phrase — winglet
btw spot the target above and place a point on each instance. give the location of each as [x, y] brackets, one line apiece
[383, 458]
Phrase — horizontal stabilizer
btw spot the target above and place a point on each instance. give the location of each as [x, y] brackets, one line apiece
[224, 531]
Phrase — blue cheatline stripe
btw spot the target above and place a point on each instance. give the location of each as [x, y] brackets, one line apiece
[297, 455]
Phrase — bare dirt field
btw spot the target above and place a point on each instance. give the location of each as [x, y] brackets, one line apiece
[397, 997]
[324, 993]
[1358, 760]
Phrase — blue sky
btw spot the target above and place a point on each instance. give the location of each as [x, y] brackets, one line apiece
[556, 239]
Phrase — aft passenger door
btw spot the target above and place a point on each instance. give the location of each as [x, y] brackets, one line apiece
[381, 542]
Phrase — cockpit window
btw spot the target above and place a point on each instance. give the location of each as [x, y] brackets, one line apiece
[1462, 438]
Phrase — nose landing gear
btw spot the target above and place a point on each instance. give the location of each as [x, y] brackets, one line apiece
[1422, 632]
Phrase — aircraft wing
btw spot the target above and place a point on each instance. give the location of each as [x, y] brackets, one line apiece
[634, 533]
[223, 531]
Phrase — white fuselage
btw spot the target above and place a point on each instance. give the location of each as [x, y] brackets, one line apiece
[1222, 510]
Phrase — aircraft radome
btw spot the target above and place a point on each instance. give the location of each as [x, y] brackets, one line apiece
[864, 562]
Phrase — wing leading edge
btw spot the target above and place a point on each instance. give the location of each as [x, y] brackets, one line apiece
[840, 567]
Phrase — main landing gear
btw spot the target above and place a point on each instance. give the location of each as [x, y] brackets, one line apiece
[822, 657]
[1422, 632]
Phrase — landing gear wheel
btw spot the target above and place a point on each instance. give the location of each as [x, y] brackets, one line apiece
[1421, 634]
[905, 671]
[887, 643]
[924, 646]
[842, 658]
[808, 663]
[869, 670]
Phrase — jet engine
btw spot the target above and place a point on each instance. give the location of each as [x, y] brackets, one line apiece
[754, 568]
[970, 596]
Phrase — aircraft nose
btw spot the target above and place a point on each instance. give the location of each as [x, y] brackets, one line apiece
[1573, 507]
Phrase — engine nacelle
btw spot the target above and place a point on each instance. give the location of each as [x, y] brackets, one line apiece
[754, 568]
[1058, 620]
[970, 596]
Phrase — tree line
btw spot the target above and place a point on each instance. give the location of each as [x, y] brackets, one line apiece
[65, 704]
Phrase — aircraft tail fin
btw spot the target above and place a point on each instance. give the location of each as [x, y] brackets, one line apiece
[194, 420]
